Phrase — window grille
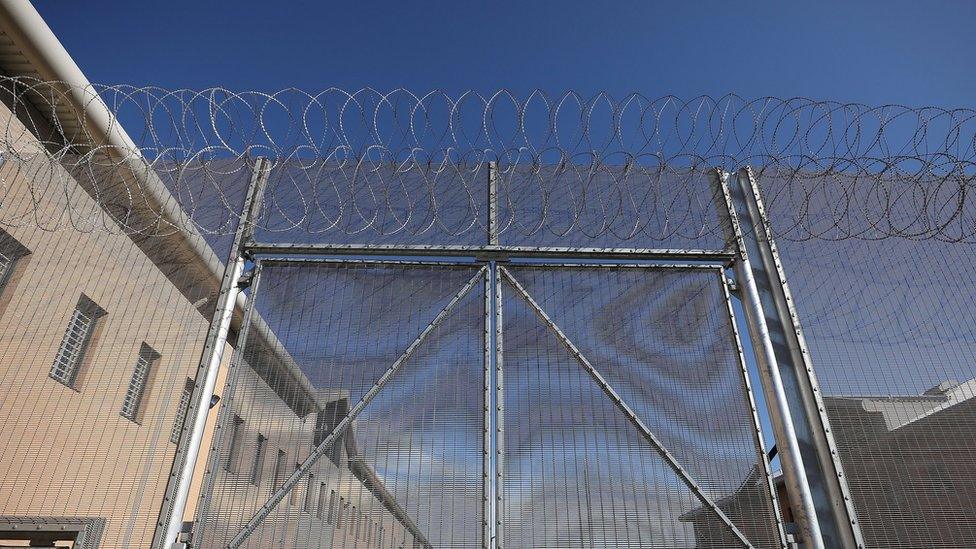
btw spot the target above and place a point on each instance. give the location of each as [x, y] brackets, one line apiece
[320, 509]
[137, 385]
[309, 494]
[258, 466]
[10, 251]
[183, 406]
[330, 518]
[71, 352]
[235, 444]
[279, 470]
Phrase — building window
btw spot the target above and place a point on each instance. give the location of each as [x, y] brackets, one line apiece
[137, 385]
[71, 353]
[181, 410]
[342, 507]
[10, 252]
[294, 489]
[320, 508]
[279, 470]
[309, 494]
[233, 452]
[258, 466]
[330, 517]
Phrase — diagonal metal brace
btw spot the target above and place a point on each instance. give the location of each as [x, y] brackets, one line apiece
[341, 427]
[623, 406]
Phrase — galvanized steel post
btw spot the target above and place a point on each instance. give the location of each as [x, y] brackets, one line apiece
[814, 478]
[191, 439]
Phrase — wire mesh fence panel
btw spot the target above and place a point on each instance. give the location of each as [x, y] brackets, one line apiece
[406, 472]
[607, 206]
[577, 470]
[883, 283]
[562, 205]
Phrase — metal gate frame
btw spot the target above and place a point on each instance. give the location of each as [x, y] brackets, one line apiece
[816, 487]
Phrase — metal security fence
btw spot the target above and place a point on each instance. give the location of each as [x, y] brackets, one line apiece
[405, 468]
[395, 320]
[628, 417]
[886, 312]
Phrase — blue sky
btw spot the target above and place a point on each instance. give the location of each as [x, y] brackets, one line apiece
[874, 52]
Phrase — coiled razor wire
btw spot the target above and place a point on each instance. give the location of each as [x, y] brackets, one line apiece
[402, 163]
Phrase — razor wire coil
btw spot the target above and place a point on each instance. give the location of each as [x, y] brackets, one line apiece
[406, 163]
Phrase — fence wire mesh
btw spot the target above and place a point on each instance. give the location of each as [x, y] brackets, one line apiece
[110, 245]
[578, 472]
[886, 308]
[407, 472]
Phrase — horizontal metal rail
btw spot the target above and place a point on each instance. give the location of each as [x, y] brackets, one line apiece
[290, 260]
[487, 252]
[599, 265]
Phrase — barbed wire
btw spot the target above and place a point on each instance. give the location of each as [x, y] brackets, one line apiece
[402, 166]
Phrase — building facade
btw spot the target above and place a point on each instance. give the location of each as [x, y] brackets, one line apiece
[105, 304]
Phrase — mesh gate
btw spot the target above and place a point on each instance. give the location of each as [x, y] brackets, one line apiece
[622, 418]
[398, 351]
[584, 348]
[482, 398]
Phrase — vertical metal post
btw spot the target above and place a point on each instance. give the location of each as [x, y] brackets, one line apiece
[493, 398]
[798, 487]
[499, 411]
[191, 439]
[751, 402]
[228, 399]
[791, 361]
[487, 495]
[493, 203]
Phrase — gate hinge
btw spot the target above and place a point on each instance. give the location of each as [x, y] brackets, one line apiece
[732, 285]
[245, 281]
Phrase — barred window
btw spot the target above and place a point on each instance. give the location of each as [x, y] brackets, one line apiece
[10, 252]
[331, 517]
[309, 494]
[71, 353]
[258, 466]
[234, 449]
[181, 411]
[279, 470]
[137, 385]
[293, 497]
[320, 508]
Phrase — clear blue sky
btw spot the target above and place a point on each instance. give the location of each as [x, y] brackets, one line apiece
[909, 52]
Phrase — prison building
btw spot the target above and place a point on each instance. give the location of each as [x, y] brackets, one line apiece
[100, 337]
[900, 453]
[909, 462]
[749, 499]
[101, 332]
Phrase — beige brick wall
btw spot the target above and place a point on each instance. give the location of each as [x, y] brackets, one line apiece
[68, 451]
